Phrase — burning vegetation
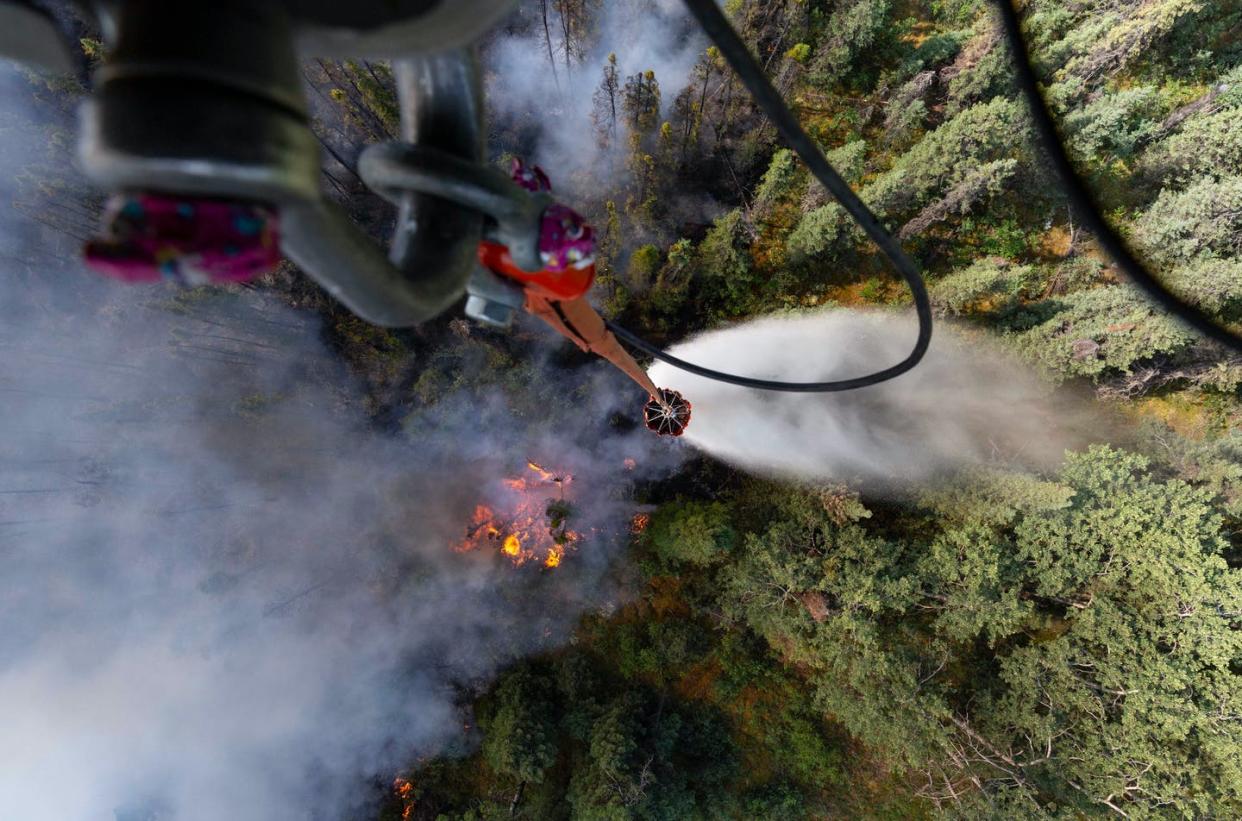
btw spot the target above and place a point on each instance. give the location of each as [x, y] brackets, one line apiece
[404, 789]
[529, 523]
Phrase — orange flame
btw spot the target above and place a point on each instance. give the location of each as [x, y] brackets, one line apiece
[544, 474]
[523, 528]
[640, 522]
[405, 791]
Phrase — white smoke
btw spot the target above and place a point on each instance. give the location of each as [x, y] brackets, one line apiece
[655, 35]
[967, 403]
[224, 594]
[225, 597]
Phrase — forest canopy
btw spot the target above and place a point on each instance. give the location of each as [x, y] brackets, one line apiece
[1009, 643]
[1059, 642]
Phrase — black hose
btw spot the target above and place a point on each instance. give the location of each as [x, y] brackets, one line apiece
[753, 77]
[1084, 203]
[739, 58]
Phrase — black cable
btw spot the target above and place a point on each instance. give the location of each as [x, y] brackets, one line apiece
[1083, 202]
[739, 58]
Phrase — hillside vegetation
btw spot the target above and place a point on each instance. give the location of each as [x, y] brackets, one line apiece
[1010, 646]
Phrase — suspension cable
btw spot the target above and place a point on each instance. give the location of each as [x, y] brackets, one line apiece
[1082, 200]
[752, 75]
[739, 58]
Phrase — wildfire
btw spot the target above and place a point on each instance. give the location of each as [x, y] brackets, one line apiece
[404, 789]
[528, 525]
[640, 522]
[544, 473]
[542, 478]
[482, 527]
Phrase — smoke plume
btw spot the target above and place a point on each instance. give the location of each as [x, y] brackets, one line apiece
[557, 101]
[966, 404]
[224, 594]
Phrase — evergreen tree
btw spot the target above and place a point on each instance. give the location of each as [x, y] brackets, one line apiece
[521, 734]
[640, 100]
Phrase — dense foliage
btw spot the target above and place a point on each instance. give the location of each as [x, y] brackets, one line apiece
[1006, 645]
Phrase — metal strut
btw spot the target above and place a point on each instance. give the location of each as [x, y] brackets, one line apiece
[435, 243]
[204, 100]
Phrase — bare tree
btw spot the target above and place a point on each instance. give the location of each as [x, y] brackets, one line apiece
[604, 113]
[547, 39]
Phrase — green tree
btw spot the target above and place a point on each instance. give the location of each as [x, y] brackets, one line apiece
[779, 178]
[1101, 331]
[971, 156]
[697, 533]
[521, 734]
[640, 100]
[644, 263]
[1205, 146]
[1133, 705]
[725, 264]
[1205, 219]
[1071, 642]
[648, 759]
[852, 28]
[1115, 125]
[672, 283]
[991, 283]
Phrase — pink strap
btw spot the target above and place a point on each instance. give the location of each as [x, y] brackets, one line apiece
[565, 239]
[149, 237]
